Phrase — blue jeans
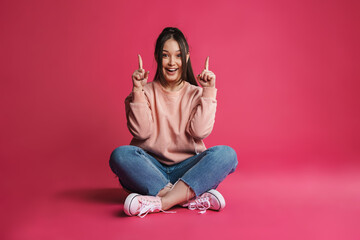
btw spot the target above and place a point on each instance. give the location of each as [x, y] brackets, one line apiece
[140, 172]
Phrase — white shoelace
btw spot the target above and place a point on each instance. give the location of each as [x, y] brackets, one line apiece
[201, 203]
[148, 206]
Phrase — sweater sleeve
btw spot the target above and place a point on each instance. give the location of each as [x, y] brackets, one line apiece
[138, 115]
[202, 118]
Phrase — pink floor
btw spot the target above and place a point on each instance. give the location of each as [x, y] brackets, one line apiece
[297, 202]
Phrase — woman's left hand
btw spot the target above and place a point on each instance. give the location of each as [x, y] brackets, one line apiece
[206, 78]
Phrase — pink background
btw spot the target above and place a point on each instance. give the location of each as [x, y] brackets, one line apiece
[287, 77]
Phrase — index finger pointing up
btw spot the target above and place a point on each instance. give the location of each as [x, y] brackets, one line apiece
[140, 62]
[207, 63]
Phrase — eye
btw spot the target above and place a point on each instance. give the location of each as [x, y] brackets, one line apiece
[164, 55]
[179, 55]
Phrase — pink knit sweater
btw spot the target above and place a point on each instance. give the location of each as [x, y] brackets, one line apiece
[171, 125]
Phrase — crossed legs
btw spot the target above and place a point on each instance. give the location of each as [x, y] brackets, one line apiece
[141, 173]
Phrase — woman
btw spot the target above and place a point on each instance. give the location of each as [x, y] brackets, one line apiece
[167, 162]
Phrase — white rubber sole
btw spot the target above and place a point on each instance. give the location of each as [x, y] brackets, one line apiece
[219, 197]
[128, 202]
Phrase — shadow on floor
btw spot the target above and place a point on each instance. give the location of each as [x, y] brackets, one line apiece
[101, 195]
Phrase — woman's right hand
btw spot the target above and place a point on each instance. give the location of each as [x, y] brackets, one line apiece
[139, 77]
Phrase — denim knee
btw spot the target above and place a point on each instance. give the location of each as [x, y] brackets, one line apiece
[119, 156]
[225, 156]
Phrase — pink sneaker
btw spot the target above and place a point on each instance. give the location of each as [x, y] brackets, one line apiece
[211, 199]
[140, 205]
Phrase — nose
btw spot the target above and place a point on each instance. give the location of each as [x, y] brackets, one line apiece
[171, 61]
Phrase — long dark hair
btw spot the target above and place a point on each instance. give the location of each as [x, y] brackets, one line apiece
[187, 71]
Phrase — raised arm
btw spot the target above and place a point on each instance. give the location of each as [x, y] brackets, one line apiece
[138, 112]
[202, 118]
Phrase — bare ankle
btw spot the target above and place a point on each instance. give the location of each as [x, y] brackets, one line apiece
[164, 205]
[165, 190]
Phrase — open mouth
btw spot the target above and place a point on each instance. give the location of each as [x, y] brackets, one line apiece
[171, 70]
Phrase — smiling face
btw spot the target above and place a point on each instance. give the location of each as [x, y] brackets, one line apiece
[171, 61]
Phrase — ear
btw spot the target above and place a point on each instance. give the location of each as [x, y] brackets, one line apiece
[187, 57]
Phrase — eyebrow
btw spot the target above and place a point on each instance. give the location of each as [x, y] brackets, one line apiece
[168, 51]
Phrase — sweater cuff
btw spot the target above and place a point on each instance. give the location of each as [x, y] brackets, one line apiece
[209, 92]
[138, 96]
